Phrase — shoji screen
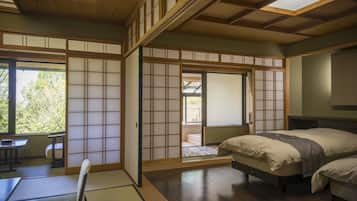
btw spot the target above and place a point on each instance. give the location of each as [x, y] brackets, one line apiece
[161, 111]
[93, 111]
[269, 100]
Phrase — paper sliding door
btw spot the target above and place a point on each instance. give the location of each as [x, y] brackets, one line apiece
[133, 90]
[269, 100]
[93, 112]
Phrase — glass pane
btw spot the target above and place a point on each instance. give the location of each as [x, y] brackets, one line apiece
[40, 101]
[4, 97]
[194, 108]
[191, 83]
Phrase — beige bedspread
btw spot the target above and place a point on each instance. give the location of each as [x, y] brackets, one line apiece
[342, 170]
[277, 153]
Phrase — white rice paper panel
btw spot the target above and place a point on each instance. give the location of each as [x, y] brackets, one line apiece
[95, 92]
[75, 146]
[95, 65]
[112, 48]
[160, 53]
[248, 60]
[13, 39]
[156, 11]
[95, 145]
[75, 64]
[258, 61]
[76, 45]
[113, 92]
[147, 52]
[278, 63]
[75, 160]
[227, 58]
[112, 157]
[113, 79]
[95, 105]
[75, 132]
[95, 131]
[95, 78]
[95, 118]
[75, 105]
[187, 55]
[95, 158]
[57, 43]
[173, 54]
[113, 130]
[174, 69]
[113, 66]
[76, 78]
[113, 117]
[75, 91]
[238, 59]
[148, 14]
[174, 152]
[95, 47]
[113, 105]
[36, 41]
[113, 143]
[142, 21]
[268, 62]
[75, 119]
[159, 153]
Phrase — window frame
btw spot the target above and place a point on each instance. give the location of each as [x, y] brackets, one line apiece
[12, 95]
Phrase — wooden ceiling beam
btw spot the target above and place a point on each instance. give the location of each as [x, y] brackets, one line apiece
[248, 25]
[250, 9]
[274, 21]
[346, 13]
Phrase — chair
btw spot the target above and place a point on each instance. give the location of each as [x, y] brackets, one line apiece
[82, 181]
[55, 149]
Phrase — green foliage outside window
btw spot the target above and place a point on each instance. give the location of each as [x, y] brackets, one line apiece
[42, 109]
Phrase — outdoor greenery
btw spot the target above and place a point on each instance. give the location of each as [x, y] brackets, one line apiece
[4, 87]
[42, 106]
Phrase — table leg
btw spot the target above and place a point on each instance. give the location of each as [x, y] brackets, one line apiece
[11, 160]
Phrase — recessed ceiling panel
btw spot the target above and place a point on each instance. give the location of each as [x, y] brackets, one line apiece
[292, 5]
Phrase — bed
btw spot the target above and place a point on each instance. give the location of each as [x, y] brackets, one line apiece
[282, 163]
[341, 175]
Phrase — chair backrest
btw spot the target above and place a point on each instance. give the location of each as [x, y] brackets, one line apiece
[82, 180]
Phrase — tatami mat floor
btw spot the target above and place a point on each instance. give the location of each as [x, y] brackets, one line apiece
[31, 168]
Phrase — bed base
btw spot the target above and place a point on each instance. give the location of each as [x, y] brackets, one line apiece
[280, 181]
[336, 198]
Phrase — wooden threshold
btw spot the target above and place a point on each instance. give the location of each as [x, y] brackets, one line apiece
[170, 164]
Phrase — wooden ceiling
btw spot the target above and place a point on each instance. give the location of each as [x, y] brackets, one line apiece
[252, 20]
[115, 11]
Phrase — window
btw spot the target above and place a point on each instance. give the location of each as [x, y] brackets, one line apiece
[38, 103]
[192, 98]
[4, 97]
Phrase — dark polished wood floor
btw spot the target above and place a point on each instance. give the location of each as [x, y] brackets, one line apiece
[224, 184]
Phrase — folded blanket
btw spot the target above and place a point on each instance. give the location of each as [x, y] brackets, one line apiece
[342, 170]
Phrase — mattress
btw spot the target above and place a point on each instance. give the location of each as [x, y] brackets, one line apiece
[279, 154]
[343, 190]
[285, 170]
